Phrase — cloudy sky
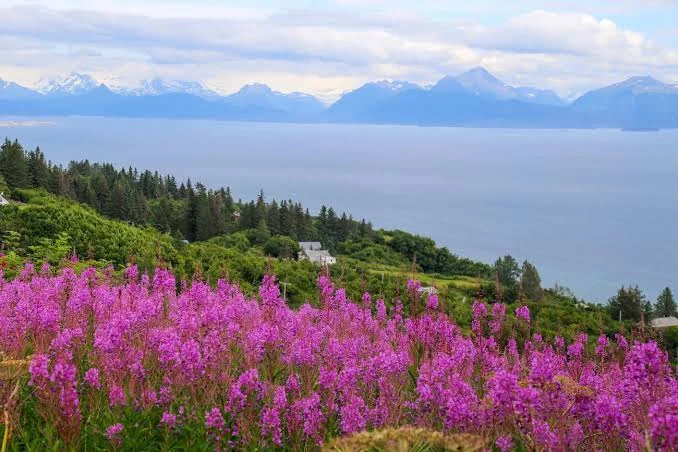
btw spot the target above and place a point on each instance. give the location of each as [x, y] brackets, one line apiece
[328, 47]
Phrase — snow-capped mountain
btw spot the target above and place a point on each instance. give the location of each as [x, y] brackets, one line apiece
[395, 86]
[74, 84]
[14, 91]
[160, 85]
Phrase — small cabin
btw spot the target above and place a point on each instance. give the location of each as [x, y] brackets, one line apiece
[313, 252]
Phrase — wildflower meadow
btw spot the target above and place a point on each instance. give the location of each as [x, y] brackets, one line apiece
[90, 361]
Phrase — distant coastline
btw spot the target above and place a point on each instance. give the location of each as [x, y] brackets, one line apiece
[640, 129]
[26, 123]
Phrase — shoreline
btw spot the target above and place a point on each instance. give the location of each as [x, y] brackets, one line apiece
[20, 123]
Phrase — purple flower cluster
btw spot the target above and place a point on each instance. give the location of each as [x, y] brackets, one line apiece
[262, 374]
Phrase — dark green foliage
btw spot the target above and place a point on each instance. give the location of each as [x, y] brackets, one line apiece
[282, 246]
[261, 233]
[38, 169]
[630, 303]
[670, 339]
[367, 251]
[507, 271]
[429, 258]
[665, 305]
[531, 282]
[46, 220]
[237, 240]
[13, 165]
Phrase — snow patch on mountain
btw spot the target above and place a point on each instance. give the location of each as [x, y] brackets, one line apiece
[71, 85]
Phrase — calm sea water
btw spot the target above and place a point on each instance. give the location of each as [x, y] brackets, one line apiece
[593, 209]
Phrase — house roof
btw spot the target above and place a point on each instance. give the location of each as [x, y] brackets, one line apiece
[317, 254]
[664, 322]
[310, 245]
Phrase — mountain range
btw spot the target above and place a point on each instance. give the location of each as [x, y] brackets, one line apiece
[475, 98]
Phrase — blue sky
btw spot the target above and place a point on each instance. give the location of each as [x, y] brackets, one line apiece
[328, 47]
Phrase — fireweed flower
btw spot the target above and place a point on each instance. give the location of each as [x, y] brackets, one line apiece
[353, 415]
[523, 313]
[505, 443]
[92, 378]
[603, 344]
[432, 302]
[664, 422]
[168, 419]
[113, 432]
[213, 419]
[116, 396]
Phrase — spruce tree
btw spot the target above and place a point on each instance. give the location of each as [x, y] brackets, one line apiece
[666, 304]
[262, 234]
[507, 271]
[38, 169]
[191, 213]
[531, 282]
[13, 165]
[629, 304]
[273, 218]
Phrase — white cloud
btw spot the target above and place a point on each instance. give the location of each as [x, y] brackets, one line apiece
[318, 51]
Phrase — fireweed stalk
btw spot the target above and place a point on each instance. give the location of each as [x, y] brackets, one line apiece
[256, 373]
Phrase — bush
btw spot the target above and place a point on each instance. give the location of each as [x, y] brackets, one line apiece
[282, 246]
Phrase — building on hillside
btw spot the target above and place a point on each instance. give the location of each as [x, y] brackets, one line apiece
[312, 251]
[664, 322]
[3, 201]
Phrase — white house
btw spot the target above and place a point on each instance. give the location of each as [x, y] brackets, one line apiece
[312, 251]
[664, 322]
[3, 201]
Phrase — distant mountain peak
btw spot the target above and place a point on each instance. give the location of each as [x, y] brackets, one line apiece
[259, 95]
[479, 72]
[72, 84]
[643, 83]
[449, 83]
[641, 79]
[479, 81]
[14, 91]
[160, 85]
[255, 89]
[396, 86]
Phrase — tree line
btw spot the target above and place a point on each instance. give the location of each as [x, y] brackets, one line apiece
[184, 209]
[191, 211]
[630, 303]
